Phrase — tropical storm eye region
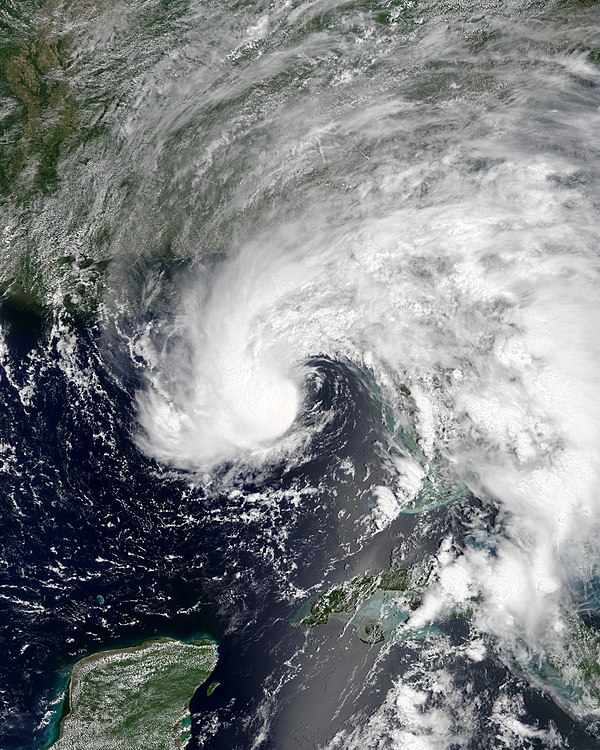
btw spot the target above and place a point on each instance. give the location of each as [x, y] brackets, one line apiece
[299, 366]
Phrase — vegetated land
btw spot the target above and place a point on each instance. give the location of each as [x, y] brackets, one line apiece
[135, 698]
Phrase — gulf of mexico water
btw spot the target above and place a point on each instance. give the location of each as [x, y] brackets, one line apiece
[305, 290]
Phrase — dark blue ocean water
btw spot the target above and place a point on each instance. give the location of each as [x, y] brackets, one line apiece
[85, 514]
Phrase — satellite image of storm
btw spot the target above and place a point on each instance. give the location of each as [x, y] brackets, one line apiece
[299, 374]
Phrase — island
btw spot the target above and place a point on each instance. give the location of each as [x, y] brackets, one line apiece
[135, 698]
[374, 604]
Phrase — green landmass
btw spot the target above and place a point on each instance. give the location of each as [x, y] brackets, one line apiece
[374, 604]
[135, 698]
[570, 664]
[55, 127]
[440, 485]
[342, 599]
[34, 73]
[567, 662]
[211, 688]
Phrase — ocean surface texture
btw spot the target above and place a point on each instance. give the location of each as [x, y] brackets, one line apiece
[299, 351]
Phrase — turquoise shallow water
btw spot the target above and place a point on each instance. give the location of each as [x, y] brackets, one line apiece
[294, 292]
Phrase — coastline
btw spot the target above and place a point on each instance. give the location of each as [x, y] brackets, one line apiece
[55, 730]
